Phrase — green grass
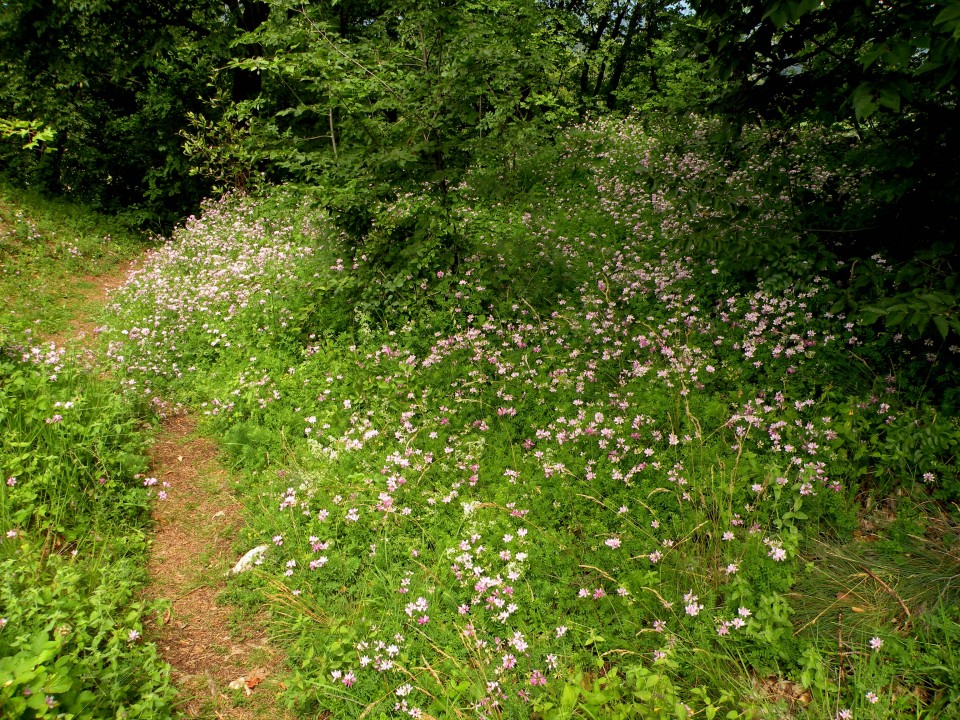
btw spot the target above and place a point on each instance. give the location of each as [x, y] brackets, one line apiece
[590, 466]
[50, 254]
[589, 470]
[74, 511]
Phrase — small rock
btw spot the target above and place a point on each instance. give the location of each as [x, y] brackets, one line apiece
[247, 561]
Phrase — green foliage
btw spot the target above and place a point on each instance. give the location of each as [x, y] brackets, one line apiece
[630, 55]
[571, 421]
[801, 55]
[73, 453]
[113, 81]
[939, 662]
[406, 96]
[74, 508]
[71, 643]
[31, 131]
[639, 691]
[575, 468]
[918, 297]
[887, 74]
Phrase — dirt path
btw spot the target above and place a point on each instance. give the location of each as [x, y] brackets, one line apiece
[204, 643]
[87, 297]
[209, 646]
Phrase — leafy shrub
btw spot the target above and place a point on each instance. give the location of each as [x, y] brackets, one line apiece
[71, 637]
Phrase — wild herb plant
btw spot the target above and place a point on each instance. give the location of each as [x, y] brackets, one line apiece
[600, 500]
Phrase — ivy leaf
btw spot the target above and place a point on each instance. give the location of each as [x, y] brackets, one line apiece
[950, 14]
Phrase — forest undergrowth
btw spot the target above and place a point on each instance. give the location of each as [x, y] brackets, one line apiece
[545, 446]
[564, 441]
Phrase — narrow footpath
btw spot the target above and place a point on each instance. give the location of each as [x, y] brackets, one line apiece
[223, 666]
[220, 660]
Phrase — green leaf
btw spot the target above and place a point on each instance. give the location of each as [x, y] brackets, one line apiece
[872, 55]
[870, 315]
[778, 15]
[889, 98]
[951, 13]
[941, 322]
[864, 101]
[568, 698]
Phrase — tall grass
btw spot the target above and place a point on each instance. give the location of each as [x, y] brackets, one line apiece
[74, 508]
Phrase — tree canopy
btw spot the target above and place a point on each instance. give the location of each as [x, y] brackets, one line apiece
[888, 69]
[147, 106]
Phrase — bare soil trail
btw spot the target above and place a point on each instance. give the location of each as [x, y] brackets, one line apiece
[207, 647]
[86, 298]
[221, 662]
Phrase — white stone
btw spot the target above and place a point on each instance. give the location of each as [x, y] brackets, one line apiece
[248, 560]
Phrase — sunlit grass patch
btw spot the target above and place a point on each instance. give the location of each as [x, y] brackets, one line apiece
[50, 252]
[636, 492]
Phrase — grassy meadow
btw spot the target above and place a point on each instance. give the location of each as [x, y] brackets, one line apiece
[547, 447]
[544, 447]
[74, 509]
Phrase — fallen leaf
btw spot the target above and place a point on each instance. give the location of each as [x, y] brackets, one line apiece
[256, 676]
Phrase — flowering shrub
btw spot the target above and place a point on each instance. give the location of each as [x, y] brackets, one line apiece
[490, 504]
